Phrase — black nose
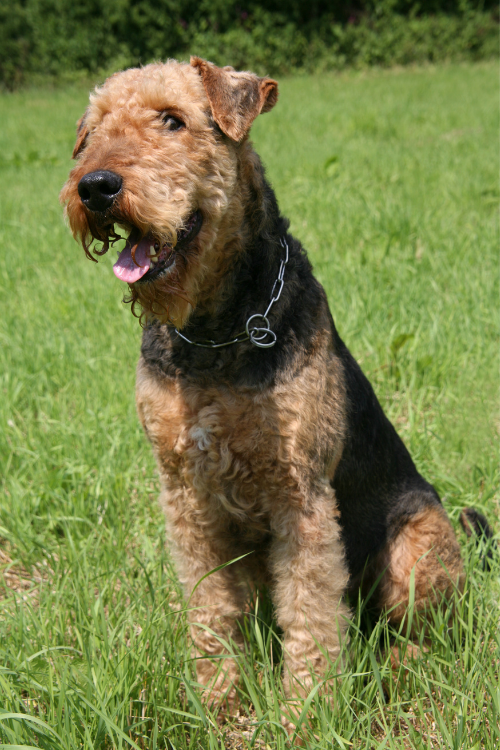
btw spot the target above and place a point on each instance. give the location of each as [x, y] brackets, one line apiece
[99, 189]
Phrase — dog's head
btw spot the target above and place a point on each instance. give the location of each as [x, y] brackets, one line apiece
[159, 156]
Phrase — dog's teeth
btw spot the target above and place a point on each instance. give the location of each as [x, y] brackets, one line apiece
[154, 259]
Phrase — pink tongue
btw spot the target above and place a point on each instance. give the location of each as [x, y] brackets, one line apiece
[125, 269]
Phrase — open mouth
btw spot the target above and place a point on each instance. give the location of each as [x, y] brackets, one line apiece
[144, 259]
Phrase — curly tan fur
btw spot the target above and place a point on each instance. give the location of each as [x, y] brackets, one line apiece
[427, 546]
[283, 455]
[235, 467]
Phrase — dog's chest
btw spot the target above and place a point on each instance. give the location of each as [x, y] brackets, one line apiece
[243, 450]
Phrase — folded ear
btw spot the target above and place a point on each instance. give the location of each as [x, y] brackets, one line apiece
[81, 135]
[235, 98]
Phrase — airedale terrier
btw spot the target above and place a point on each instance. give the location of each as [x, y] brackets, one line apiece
[269, 439]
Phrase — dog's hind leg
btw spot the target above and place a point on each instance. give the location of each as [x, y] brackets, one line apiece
[421, 566]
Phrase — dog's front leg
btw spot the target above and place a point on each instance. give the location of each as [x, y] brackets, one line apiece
[216, 602]
[310, 578]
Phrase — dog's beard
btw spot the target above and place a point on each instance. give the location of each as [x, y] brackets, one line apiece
[91, 230]
[163, 298]
[98, 232]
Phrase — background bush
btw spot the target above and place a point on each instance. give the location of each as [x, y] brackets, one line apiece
[57, 37]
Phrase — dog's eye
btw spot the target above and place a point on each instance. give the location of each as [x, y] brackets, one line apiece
[171, 122]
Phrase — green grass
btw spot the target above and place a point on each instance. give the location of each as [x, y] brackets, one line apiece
[391, 181]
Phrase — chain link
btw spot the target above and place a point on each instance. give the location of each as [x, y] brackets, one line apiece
[260, 336]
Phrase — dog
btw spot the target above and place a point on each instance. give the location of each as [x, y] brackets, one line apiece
[271, 446]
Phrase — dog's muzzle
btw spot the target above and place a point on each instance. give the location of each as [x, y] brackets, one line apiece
[98, 190]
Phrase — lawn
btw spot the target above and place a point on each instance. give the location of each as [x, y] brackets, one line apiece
[391, 181]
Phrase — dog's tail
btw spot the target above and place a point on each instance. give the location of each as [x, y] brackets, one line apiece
[475, 524]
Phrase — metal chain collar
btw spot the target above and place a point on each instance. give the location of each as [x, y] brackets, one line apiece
[258, 335]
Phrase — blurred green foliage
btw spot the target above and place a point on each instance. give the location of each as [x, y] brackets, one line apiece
[55, 37]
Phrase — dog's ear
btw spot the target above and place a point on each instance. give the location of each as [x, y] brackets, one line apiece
[235, 98]
[81, 135]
